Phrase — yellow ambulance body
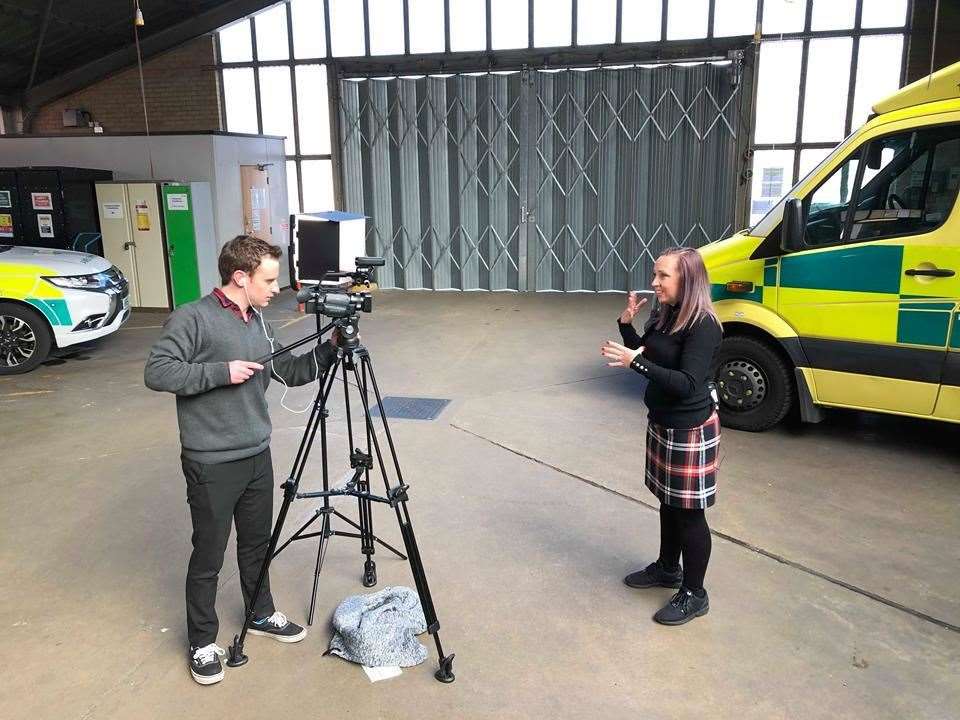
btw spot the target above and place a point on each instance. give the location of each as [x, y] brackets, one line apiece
[847, 293]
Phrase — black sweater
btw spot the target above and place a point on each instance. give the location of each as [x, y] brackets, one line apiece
[678, 367]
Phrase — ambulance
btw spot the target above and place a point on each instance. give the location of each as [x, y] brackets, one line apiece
[55, 298]
[847, 293]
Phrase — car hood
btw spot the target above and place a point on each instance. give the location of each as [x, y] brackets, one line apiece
[56, 262]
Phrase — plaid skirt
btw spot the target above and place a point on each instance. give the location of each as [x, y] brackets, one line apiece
[682, 464]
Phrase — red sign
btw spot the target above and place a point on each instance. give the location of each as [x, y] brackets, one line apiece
[41, 201]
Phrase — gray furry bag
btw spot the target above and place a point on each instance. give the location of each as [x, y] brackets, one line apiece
[380, 629]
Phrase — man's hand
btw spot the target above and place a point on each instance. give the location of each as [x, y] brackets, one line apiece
[634, 303]
[242, 370]
[619, 355]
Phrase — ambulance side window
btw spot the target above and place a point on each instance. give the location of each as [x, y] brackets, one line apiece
[909, 183]
[826, 208]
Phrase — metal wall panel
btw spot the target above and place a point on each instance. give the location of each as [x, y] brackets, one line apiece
[625, 163]
[435, 163]
[567, 180]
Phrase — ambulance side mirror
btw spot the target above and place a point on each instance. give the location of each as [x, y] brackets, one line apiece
[791, 229]
[875, 155]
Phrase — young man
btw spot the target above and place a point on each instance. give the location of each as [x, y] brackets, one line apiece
[205, 356]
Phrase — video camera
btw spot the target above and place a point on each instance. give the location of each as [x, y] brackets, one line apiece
[335, 297]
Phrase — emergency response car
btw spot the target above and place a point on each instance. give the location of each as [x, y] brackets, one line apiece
[846, 293]
[55, 298]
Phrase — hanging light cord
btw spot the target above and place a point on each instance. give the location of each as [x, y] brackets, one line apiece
[933, 43]
[143, 93]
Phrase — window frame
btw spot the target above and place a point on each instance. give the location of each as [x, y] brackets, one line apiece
[573, 56]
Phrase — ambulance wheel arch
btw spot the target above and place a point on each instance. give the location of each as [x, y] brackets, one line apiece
[26, 337]
[755, 379]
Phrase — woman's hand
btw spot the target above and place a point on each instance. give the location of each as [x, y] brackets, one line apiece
[634, 303]
[619, 355]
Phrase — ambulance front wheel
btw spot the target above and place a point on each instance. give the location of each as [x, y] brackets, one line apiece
[754, 384]
[25, 339]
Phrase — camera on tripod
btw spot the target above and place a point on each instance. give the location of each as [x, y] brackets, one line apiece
[335, 297]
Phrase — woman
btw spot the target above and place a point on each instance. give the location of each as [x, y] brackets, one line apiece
[676, 354]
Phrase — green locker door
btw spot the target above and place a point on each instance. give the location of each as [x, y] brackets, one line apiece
[181, 243]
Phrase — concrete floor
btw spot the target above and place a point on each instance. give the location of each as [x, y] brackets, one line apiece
[833, 582]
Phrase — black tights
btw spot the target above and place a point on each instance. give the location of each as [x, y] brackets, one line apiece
[685, 531]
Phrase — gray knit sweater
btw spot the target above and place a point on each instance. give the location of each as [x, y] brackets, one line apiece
[220, 422]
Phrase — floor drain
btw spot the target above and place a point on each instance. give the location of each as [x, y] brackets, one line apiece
[411, 408]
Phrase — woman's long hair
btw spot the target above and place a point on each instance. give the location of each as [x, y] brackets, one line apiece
[693, 299]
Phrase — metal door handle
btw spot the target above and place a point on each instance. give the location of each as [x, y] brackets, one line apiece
[128, 245]
[936, 272]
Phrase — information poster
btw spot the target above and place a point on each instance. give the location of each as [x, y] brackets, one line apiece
[5, 200]
[113, 211]
[45, 224]
[6, 225]
[42, 201]
[177, 201]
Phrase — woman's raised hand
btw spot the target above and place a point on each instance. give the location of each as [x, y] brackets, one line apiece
[619, 355]
[634, 303]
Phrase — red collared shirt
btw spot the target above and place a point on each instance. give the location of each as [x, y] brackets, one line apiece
[229, 304]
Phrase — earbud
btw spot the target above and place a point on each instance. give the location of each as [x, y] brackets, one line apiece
[242, 283]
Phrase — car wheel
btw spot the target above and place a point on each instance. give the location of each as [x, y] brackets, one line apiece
[754, 384]
[25, 339]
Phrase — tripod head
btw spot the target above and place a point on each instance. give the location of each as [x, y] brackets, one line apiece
[336, 298]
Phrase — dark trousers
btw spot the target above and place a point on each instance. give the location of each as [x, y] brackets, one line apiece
[241, 491]
[685, 532]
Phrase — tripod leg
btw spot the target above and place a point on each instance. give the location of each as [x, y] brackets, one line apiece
[363, 485]
[365, 505]
[237, 657]
[321, 553]
[445, 671]
[290, 486]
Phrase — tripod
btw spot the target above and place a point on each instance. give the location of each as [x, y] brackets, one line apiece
[353, 359]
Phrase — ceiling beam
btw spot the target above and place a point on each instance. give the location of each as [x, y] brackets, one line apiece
[32, 15]
[542, 58]
[36, 53]
[150, 45]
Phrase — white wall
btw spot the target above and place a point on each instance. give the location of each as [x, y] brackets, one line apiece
[212, 158]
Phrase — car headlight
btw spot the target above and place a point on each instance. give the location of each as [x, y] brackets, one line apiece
[78, 282]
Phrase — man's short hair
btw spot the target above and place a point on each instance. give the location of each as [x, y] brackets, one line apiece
[244, 252]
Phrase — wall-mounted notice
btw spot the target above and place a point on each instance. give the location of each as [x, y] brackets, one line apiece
[42, 201]
[45, 224]
[113, 211]
[5, 201]
[6, 225]
[177, 201]
[143, 215]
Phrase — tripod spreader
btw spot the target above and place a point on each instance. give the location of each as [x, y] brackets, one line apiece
[340, 492]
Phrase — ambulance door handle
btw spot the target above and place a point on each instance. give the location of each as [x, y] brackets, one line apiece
[934, 272]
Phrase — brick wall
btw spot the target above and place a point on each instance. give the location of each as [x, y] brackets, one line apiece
[181, 88]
